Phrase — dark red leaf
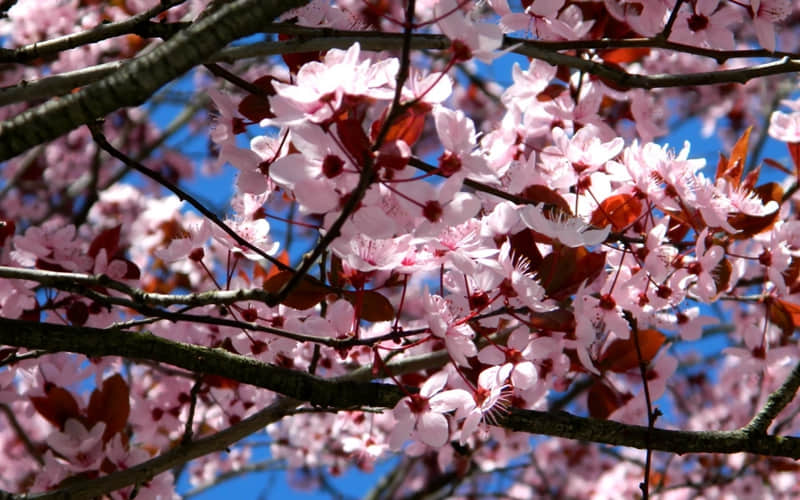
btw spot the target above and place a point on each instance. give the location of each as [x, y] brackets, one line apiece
[295, 60]
[621, 356]
[57, 406]
[110, 404]
[603, 400]
[407, 126]
[108, 239]
[750, 225]
[624, 54]
[7, 228]
[305, 295]
[353, 138]
[372, 305]
[78, 313]
[794, 152]
[619, 210]
[538, 193]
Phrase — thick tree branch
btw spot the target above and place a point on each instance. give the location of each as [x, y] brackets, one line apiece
[320, 39]
[344, 392]
[98, 342]
[565, 425]
[138, 79]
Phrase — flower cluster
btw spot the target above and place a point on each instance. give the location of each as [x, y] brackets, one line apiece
[479, 249]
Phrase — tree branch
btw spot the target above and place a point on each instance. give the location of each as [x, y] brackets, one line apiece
[569, 426]
[94, 342]
[776, 402]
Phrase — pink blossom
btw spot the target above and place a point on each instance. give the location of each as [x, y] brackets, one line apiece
[320, 87]
[423, 415]
[480, 39]
[570, 231]
[765, 14]
[83, 447]
[786, 126]
[708, 24]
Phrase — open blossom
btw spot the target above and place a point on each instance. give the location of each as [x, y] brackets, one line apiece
[706, 24]
[423, 415]
[319, 174]
[82, 446]
[786, 126]
[528, 84]
[480, 39]
[457, 133]
[583, 153]
[571, 231]
[697, 276]
[320, 87]
[766, 13]
[443, 323]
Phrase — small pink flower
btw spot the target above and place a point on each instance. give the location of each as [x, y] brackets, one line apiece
[83, 447]
[423, 414]
[765, 14]
[571, 231]
[481, 40]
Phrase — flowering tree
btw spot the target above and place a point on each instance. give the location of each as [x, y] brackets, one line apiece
[418, 264]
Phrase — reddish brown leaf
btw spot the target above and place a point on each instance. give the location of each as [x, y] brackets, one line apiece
[255, 107]
[372, 305]
[110, 404]
[794, 152]
[296, 59]
[558, 320]
[603, 400]
[283, 258]
[538, 193]
[621, 356]
[749, 181]
[551, 92]
[676, 230]
[7, 228]
[407, 126]
[781, 316]
[564, 269]
[722, 275]
[619, 210]
[57, 406]
[335, 277]
[107, 239]
[791, 276]
[750, 225]
[624, 55]
[735, 166]
[305, 295]
[524, 245]
[353, 138]
[793, 310]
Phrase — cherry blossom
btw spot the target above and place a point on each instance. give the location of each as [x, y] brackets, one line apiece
[423, 414]
[570, 231]
[435, 244]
